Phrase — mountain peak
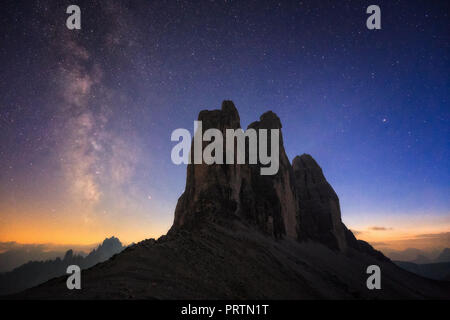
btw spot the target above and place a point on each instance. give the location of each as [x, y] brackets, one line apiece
[304, 161]
[113, 241]
[226, 117]
[296, 202]
[69, 255]
[444, 256]
[229, 107]
[242, 235]
[238, 190]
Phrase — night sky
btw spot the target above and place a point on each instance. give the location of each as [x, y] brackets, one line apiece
[86, 115]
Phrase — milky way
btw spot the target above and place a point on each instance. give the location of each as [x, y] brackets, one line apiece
[86, 115]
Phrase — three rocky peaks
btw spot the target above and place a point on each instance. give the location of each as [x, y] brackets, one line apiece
[238, 234]
[297, 202]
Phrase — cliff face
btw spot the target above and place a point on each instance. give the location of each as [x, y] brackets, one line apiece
[296, 202]
[269, 202]
[320, 212]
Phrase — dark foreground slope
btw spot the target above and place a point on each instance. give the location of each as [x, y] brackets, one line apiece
[233, 261]
[238, 234]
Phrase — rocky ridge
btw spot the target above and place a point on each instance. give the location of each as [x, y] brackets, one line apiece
[238, 234]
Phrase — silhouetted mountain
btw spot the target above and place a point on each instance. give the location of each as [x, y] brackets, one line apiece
[421, 259]
[296, 202]
[238, 234]
[36, 272]
[418, 256]
[108, 248]
[409, 254]
[444, 256]
[437, 271]
[20, 254]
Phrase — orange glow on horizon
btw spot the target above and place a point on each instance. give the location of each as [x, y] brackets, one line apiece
[88, 229]
[74, 229]
[404, 238]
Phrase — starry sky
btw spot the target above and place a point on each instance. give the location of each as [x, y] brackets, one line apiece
[86, 115]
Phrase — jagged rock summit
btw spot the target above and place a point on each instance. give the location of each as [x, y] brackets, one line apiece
[297, 202]
[238, 234]
[267, 201]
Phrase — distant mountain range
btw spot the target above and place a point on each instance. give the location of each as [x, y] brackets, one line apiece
[12, 258]
[444, 256]
[36, 272]
[438, 268]
[418, 256]
[436, 271]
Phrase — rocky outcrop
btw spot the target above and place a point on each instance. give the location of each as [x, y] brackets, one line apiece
[210, 188]
[296, 202]
[269, 202]
[320, 212]
[271, 198]
[222, 246]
